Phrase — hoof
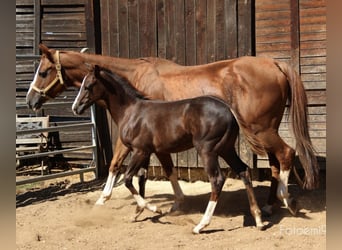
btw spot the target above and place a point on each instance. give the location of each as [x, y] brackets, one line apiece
[261, 227]
[198, 229]
[175, 207]
[100, 201]
[138, 212]
[292, 206]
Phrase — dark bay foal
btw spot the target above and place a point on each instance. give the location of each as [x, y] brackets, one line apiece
[149, 126]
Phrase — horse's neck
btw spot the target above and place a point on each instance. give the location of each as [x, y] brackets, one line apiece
[77, 65]
[118, 104]
[122, 66]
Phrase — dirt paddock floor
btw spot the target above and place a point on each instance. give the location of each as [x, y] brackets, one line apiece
[61, 214]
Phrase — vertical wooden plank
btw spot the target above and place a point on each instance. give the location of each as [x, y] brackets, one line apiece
[190, 34]
[170, 33]
[161, 29]
[295, 57]
[104, 27]
[109, 27]
[113, 28]
[201, 29]
[179, 32]
[211, 31]
[220, 35]
[104, 149]
[37, 18]
[147, 28]
[133, 27]
[90, 28]
[230, 8]
[123, 28]
[244, 28]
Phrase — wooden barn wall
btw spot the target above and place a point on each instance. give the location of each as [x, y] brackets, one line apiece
[59, 24]
[295, 31]
[188, 32]
[56, 23]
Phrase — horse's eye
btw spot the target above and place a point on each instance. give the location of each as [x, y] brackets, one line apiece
[88, 87]
[43, 74]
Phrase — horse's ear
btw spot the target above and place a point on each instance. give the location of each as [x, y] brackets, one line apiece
[43, 48]
[96, 70]
[48, 52]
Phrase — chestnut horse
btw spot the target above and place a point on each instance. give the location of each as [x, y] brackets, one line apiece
[256, 89]
[159, 127]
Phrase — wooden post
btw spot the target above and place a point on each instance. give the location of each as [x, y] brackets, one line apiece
[104, 145]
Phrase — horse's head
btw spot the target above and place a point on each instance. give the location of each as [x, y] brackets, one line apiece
[91, 91]
[48, 81]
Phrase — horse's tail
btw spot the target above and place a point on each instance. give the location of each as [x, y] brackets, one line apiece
[299, 119]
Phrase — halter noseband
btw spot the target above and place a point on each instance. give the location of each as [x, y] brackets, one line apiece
[43, 92]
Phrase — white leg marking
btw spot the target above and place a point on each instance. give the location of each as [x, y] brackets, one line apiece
[258, 220]
[141, 172]
[107, 191]
[140, 200]
[142, 203]
[282, 191]
[206, 217]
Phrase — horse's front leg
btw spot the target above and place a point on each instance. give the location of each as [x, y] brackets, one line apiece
[139, 160]
[167, 164]
[120, 153]
[217, 180]
[272, 197]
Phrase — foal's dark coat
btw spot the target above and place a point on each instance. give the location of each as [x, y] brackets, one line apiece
[159, 127]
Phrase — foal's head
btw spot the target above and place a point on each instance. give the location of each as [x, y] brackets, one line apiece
[98, 84]
[91, 91]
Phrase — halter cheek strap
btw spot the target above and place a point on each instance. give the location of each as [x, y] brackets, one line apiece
[43, 92]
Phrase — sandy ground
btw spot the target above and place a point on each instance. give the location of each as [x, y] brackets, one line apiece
[62, 215]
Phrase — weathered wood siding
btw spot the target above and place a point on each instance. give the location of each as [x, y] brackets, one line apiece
[59, 24]
[188, 32]
[295, 31]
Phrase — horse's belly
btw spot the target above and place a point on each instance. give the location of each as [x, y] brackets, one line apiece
[173, 146]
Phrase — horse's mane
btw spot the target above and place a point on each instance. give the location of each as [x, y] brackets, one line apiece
[124, 83]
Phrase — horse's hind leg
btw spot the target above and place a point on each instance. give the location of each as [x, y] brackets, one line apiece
[254, 208]
[120, 154]
[167, 164]
[216, 179]
[241, 169]
[281, 158]
[286, 158]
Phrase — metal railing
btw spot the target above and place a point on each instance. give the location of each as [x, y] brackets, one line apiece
[93, 146]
